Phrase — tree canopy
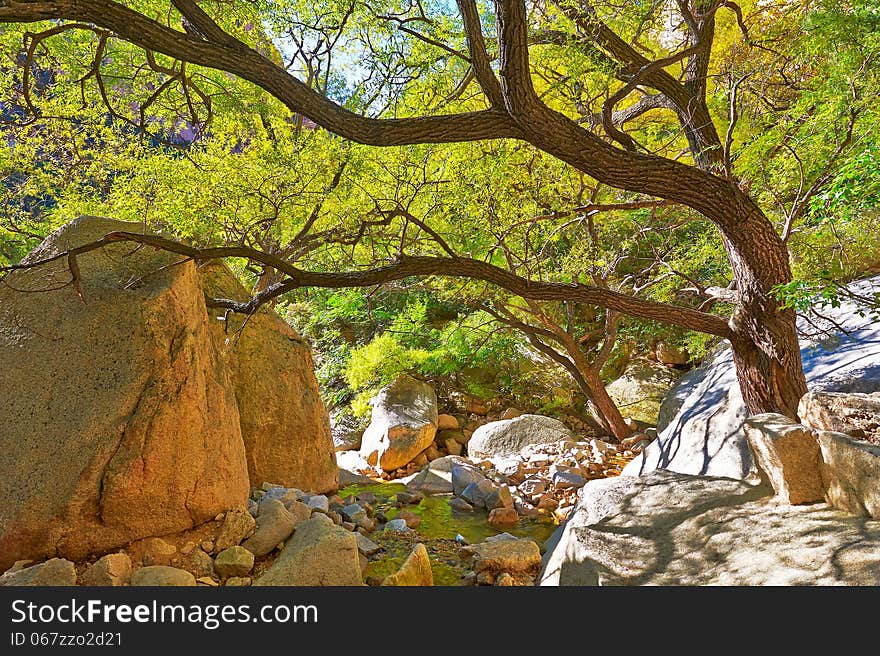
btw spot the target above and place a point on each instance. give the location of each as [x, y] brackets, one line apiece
[600, 167]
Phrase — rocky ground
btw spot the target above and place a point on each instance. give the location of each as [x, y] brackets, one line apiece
[380, 532]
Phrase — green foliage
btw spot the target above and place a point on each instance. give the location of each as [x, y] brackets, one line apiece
[254, 174]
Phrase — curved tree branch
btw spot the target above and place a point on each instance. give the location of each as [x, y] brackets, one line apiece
[405, 266]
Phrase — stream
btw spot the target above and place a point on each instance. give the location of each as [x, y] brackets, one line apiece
[438, 529]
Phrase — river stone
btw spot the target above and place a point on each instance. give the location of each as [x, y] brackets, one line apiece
[397, 525]
[353, 512]
[284, 423]
[788, 455]
[857, 415]
[54, 572]
[365, 545]
[500, 497]
[641, 388]
[460, 505]
[666, 528]
[238, 524]
[521, 558]
[476, 493]
[275, 523]
[701, 420]
[237, 581]
[509, 436]
[347, 477]
[318, 554]
[139, 429]
[403, 423]
[564, 478]
[319, 502]
[851, 473]
[234, 561]
[198, 563]
[463, 475]
[109, 570]
[162, 575]
[152, 551]
[436, 478]
[447, 423]
[416, 570]
[503, 517]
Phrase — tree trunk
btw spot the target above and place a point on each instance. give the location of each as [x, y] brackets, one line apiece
[766, 351]
[606, 405]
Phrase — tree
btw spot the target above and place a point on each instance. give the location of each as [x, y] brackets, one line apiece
[760, 329]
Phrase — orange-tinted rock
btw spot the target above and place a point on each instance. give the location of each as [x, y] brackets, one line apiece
[119, 418]
[503, 517]
[284, 422]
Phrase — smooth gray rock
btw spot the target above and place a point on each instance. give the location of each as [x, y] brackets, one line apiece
[402, 425]
[509, 436]
[53, 572]
[397, 526]
[701, 419]
[162, 575]
[463, 475]
[436, 477]
[666, 528]
[318, 554]
[353, 512]
[318, 502]
[460, 505]
[347, 478]
[365, 545]
[275, 523]
[566, 477]
[478, 492]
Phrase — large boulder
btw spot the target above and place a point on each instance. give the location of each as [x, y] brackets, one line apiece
[701, 421]
[318, 554]
[119, 420]
[850, 473]
[403, 423]
[507, 437]
[641, 388]
[666, 528]
[284, 422]
[857, 415]
[787, 454]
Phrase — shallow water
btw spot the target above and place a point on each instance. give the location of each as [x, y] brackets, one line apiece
[438, 529]
[439, 521]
